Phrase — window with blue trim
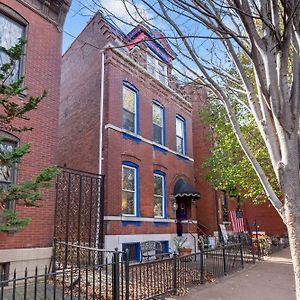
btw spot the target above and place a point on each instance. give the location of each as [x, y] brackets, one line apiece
[129, 109]
[129, 189]
[180, 135]
[158, 123]
[133, 251]
[159, 196]
[165, 246]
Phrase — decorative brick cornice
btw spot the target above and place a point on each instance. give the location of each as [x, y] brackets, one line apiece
[53, 10]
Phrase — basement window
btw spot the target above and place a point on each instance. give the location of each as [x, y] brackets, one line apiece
[4, 273]
[133, 251]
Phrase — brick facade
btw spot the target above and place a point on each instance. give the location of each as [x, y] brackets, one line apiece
[79, 131]
[264, 215]
[79, 125]
[42, 64]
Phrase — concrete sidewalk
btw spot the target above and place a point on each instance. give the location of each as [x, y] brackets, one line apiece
[272, 279]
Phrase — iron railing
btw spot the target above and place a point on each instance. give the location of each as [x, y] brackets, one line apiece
[78, 211]
[84, 276]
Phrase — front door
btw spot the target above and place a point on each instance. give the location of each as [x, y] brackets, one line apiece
[180, 216]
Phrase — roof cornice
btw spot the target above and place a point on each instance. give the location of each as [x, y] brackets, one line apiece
[53, 10]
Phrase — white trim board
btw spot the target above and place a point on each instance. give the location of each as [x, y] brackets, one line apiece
[137, 219]
[121, 130]
[144, 219]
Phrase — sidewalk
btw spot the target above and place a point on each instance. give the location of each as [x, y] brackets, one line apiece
[272, 279]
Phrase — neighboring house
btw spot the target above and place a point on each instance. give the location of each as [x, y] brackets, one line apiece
[214, 207]
[263, 215]
[40, 24]
[146, 134]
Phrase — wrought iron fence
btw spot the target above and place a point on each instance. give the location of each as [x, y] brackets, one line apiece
[84, 276]
[83, 282]
[78, 212]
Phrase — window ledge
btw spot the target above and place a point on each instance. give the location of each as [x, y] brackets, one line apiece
[130, 220]
[161, 222]
[131, 136]
[23, 95]
[182, 156]
[159, 219]
[161, 148]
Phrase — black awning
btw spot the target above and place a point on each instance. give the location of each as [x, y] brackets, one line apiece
[184, 189]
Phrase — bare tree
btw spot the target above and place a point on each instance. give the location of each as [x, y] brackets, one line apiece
[260, 39]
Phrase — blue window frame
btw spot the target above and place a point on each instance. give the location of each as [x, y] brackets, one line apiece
[130, 107]
[134, 251]
[158, 120]
[165, 246]
[130, 189]
[180, 135]
[159, 195]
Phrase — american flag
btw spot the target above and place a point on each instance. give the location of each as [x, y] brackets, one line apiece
[237, 221]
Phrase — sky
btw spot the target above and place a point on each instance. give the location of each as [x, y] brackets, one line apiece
[78, 17]
[74, 24]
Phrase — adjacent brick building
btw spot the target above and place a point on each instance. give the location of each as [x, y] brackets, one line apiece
[40, 24]
[147, 133]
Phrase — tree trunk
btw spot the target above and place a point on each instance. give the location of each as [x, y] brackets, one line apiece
[290, 187]
[293, 226]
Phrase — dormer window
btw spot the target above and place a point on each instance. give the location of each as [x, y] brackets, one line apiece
[157, 68]
[162, 72]
[151, 64]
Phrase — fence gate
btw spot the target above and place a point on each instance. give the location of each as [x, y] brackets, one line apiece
[79, 211]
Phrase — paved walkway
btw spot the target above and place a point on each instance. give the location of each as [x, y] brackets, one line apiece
[272, 279]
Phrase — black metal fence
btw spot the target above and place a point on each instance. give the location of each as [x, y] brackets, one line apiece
[79, 211]
[81, 276]
[84, 276]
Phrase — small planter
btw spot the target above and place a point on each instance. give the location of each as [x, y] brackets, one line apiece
[185, 251]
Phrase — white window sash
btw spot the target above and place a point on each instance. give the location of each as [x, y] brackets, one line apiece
[156, 63]
[132, 191]
[135, 106]
[162, 196]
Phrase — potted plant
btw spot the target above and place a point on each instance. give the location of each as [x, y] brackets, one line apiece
[179, 244]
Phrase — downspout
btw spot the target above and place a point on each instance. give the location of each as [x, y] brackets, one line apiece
[99, 240]
[101, 112]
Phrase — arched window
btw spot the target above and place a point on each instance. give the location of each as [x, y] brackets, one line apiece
[130, 107]
[12, 30]
[130, 189]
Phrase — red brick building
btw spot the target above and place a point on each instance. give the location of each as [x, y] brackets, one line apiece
[40, 24]
[214, 207]
[153, 142]
[148, 154]
[263, 215]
